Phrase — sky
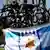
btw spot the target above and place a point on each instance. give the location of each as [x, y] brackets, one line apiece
[1, 4]
[47, 3]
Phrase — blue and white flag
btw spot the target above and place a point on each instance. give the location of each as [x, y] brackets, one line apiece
[28, 39]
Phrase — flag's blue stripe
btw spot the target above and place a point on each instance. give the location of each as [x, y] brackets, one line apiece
[43, 49]
[43, 30]
[10, 35]
[46, 48]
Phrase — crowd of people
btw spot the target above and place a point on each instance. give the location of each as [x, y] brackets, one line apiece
[20, 16]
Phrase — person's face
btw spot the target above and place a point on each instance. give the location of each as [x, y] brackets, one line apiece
[13, 2]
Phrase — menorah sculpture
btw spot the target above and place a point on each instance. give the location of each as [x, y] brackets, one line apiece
[17, 16]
